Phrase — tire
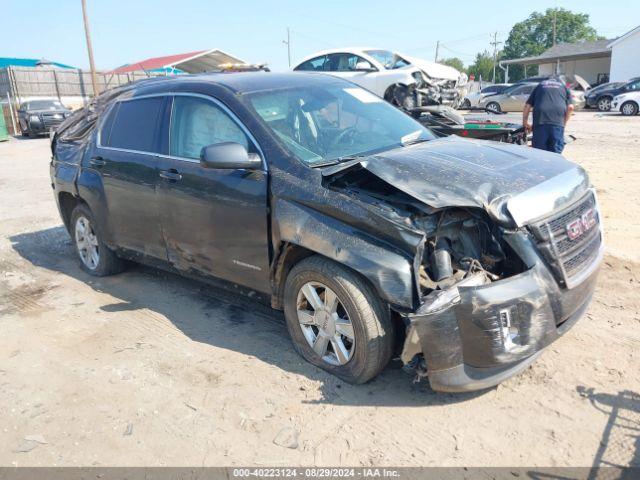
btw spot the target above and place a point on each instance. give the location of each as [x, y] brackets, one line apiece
[494, 107]
[629, 109]
[604, 104]
[369, 317]
[466, 104]
[104, 262]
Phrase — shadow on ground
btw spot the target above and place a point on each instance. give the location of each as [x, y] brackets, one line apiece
[620, 442]
[223, 319]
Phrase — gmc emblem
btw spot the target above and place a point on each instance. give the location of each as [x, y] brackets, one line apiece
[581, 225]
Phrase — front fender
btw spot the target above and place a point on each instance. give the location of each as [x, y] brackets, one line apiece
[389, 270]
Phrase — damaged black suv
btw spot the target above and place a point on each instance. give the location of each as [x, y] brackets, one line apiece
[465, 258]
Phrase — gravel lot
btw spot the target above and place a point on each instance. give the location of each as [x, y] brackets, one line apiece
[147, 368]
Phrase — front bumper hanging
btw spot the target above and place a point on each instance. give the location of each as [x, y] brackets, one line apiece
[481, 335]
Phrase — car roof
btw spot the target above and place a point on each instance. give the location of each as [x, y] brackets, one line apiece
[247, 82]
[354, 50]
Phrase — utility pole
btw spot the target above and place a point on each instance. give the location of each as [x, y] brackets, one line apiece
[287, 42]
[92, 66]
[437, 50]
[495, 44]
[555, 21]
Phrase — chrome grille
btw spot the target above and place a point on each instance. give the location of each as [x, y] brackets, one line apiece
[50, 120]
[570, 258]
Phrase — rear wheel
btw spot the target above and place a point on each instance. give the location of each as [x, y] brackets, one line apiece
[95, 257]
[629, 109]
[604, 104]
[494, 107]
[466, 104]
[336, 320]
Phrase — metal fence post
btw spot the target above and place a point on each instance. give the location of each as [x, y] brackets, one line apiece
[13, 121]
[55, 81]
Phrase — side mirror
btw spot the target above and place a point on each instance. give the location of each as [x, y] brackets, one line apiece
[229, 155]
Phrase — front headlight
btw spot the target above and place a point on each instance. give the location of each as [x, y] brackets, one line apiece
[34, 118]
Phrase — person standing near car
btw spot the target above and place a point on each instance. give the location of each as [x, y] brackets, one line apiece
[551, 105]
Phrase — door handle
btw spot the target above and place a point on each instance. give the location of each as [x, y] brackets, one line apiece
[97, 162]
[171, 175]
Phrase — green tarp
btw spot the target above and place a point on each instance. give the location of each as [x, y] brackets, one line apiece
[4, 135]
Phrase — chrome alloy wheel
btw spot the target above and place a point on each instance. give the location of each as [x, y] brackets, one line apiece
[87, 243]
[325, 323]
[604, 104]
[628, 109]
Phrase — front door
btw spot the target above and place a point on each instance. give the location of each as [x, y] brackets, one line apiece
[126, 160]
[214, 220]
[352, 67]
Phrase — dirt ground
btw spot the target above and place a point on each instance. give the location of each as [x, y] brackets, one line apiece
[147, 368]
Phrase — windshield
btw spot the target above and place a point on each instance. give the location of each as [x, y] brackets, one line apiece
[324, 125]
[389, 59]
[44, 105]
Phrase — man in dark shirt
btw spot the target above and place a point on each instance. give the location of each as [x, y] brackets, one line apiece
[551, 105]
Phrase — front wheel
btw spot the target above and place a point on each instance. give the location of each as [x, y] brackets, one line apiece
[95, 257]
[604, 104]
[494, 107]
[336, 320]
[629, 109]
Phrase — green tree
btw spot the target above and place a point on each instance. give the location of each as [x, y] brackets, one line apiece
[482, 67]
[535, 35]
[454, 62]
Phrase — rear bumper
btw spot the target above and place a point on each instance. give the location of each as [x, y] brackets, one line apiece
[467, 345]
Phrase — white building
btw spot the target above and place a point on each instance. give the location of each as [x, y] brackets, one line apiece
[625, 56]
[589, 59]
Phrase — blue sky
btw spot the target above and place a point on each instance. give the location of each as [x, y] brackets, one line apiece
[254, 30]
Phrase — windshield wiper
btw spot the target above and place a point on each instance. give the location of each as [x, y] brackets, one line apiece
[414, 141]
[336, 161]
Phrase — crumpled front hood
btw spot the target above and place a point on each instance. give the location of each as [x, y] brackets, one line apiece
[513, 184]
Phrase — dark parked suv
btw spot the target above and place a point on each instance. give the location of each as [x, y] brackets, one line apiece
[38, 117]
[465, 258]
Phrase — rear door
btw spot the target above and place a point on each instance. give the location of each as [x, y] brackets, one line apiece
[214, 220]
[126, 160]
[514, 102]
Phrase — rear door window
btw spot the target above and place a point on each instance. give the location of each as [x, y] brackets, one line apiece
[135, 125]
[107, 125]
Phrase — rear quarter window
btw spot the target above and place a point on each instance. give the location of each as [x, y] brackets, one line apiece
[135, 125]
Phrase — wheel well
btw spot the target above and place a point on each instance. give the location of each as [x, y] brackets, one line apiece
[388, 93]
[290, 255]
[67, 203]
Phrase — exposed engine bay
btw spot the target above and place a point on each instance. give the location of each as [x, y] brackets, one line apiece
[462, 244]
[426, 91]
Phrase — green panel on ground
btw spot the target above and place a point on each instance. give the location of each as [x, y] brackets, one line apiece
[4, 135]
